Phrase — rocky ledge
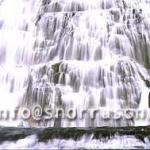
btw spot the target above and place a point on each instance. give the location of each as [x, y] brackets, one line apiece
[45, 134]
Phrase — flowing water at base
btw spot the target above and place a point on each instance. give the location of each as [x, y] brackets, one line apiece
[117, 142]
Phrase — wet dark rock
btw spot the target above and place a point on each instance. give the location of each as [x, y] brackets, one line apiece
[133, 11]
[128, 24]
[43, 135]
[56, 73]
[149, 100]
[38, 19]
[56, 66]
[116, 14]
[147, 82]
[137, 15]
[45, 2]
[59, 104]
[42, 70]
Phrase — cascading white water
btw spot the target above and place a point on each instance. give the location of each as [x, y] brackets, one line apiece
[75, 54]
[78, 54]
[125, 142]
[16, 42]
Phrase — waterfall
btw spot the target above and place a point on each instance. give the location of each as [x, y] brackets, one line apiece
[16, 42]
[75, 54]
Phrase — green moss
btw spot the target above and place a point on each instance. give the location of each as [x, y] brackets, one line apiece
[13, 134]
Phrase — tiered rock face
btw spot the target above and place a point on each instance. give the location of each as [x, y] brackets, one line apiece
[87, 54]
